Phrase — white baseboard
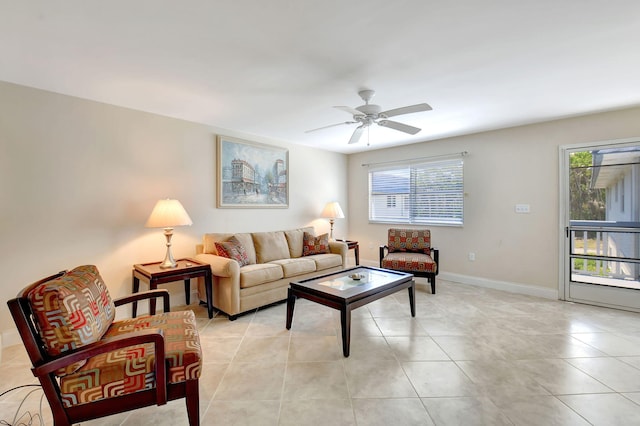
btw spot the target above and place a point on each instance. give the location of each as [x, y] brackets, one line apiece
[529, 290]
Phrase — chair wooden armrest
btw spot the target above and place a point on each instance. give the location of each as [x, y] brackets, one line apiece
[151, 335]
[382, 253]
[150, 294]
[435, 255]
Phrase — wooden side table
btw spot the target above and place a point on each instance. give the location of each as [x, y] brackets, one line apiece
[353, 245]
[186, 269]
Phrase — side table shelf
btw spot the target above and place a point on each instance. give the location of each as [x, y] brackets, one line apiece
[185, 270]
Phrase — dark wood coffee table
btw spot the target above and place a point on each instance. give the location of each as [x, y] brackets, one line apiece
[340, 291]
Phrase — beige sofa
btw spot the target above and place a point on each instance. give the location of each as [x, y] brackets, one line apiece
[275, 259]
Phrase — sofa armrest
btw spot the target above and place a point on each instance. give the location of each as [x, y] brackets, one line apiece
[220, 266]
[199, 248]
[341, 248]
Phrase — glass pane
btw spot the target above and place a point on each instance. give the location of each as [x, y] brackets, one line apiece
[605, 216]
[586, 201]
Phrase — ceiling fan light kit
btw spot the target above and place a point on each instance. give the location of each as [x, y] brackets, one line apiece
[368, 114]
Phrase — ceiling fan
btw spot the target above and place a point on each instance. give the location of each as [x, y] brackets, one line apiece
[368, 114]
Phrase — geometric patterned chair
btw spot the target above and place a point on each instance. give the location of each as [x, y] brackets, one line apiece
[409, 250]
[91, 366]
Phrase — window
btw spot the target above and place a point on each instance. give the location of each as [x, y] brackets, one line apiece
[424, 193]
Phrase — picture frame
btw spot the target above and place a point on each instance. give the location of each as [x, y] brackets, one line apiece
[251, 174]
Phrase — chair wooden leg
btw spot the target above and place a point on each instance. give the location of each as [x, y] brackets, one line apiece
[193, 402]
[433, 284]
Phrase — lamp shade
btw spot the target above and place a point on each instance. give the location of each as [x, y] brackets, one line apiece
[332, 211]
[167, 214]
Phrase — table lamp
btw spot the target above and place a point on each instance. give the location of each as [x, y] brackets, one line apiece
[168, 214]
[332, 211]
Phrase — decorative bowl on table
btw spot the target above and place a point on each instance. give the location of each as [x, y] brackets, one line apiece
[356, 276]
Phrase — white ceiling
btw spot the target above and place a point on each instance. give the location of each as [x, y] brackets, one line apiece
[274, 69]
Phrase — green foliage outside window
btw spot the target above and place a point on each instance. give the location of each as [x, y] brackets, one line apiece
[586, 203]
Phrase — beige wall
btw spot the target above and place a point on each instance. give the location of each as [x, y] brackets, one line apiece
[503, 168]
[78, 180]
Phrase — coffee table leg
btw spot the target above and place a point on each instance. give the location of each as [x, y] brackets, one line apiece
[412, 299]
[291, 303]
[345, 321]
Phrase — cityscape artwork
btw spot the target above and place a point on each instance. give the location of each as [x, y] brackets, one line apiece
[252, 175]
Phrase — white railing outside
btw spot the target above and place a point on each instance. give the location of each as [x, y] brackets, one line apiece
[603, 246]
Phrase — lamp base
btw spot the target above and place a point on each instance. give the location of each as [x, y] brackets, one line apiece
[169, 261]
[331, 233]
[168, 264]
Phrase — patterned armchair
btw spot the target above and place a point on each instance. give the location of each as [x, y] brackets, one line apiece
[91, 366]
[409, 250]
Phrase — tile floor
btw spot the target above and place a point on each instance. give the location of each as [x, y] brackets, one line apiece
[471, 356]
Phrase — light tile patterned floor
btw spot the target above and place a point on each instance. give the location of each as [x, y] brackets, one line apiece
[471, 356]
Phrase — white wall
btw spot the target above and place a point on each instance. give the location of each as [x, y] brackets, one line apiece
[78, 180]
[505, 167]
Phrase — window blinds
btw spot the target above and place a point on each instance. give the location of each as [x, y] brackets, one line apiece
[424, 193]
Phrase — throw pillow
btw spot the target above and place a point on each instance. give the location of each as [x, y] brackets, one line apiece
[315, 245]
[232, 249]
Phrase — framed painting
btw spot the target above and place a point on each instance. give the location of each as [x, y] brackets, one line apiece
[252, 175]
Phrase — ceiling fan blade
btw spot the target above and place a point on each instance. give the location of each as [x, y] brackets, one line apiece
[357, 133]
[350, 110]
[406, 110]
[330, 125]
[399, 126]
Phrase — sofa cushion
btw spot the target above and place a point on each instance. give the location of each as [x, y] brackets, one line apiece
[232, 249]
[315, 245]
[252, 275]
[409, 240]
[72, 311]
[130, 369]
[209, 246]
[295, 239]
[209, 242]
[270, 246]
[298, 266]
[326, 261]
